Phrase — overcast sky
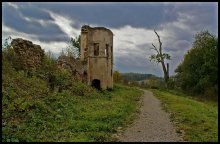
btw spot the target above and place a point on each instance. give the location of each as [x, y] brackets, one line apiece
[52, 24]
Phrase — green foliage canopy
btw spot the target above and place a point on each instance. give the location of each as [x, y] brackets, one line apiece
[198, 73]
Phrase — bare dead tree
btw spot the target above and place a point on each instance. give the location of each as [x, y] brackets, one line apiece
[159, 57]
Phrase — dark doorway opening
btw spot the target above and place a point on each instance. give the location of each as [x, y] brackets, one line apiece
[84, 77]
[96, 84]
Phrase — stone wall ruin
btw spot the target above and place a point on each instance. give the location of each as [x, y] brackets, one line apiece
[76, 68]
[30, 55]
[95, 66]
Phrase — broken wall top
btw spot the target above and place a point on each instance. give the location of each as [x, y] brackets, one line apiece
[29, 55]
[86, 28]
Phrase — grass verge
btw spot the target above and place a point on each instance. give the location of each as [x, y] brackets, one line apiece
[65, 117]
[198, 120]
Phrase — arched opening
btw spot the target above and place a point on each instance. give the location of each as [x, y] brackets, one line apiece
[96, 84]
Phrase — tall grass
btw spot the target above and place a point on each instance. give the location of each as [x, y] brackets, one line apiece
[198, 119]
[32, 113]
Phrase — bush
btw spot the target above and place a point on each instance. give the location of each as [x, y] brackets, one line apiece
[19, 94]
[82, 89]
[171, 83]
[211, 92]
[62, 79]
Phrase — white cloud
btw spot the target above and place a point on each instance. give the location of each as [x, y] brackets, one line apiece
[127, 38]
[65, 24]
[132, 49]
[55, 47]
[12, 5]
[8, 31]
[40, 21]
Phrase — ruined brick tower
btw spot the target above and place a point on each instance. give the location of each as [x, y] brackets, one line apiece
[97, 52]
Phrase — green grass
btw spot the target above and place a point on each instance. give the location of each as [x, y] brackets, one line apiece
[36, 110]
[199, 119]
[62, 116]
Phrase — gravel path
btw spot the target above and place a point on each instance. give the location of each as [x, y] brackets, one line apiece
[153, 124]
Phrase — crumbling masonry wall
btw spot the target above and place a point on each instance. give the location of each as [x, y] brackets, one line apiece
[97, 51]
[77, 68]
[30, 55]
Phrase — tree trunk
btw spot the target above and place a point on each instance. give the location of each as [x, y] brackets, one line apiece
[166, 77]
[168, 70]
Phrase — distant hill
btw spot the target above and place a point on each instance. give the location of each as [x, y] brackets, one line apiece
[136, 76]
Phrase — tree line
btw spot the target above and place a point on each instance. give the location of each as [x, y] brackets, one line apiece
[135, 76]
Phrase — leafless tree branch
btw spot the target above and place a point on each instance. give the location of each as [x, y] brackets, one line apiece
[159, 41]
[155, 48]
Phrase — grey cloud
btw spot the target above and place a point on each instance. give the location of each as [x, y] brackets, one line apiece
[179, 45]
[146, 46]
[12, 18]
[57, 38]
[136, 64]
[204, 15]
[182, 44]
[77, 24]
[129, 42]
[136, 61]
[35, 12]
[145, 15]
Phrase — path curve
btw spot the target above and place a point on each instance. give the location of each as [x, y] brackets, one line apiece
[153, 124]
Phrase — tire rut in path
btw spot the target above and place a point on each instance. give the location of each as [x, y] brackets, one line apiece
[152, 125]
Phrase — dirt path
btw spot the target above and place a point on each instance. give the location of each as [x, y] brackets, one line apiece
[153, 124]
